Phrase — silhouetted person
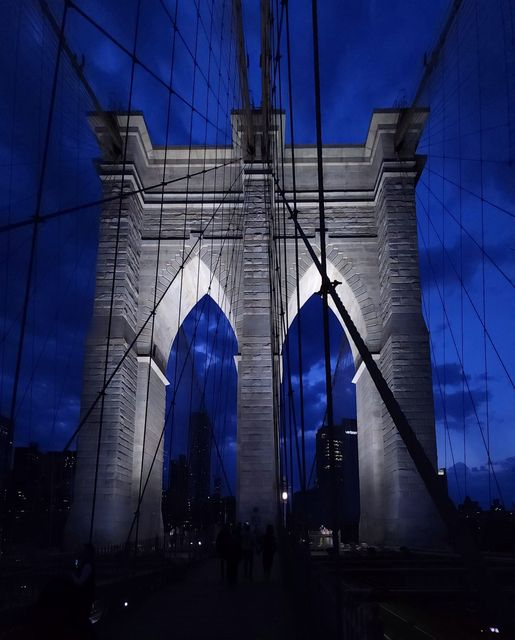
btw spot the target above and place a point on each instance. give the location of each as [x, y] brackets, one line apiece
[255, 522]
[222, 548]
[248, 544]
[84, 579]
[269, 548]
[233, 556]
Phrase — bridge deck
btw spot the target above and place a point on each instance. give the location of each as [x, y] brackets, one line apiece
[201, 606]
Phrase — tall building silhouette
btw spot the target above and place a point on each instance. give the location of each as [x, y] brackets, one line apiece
[5, 456]
[40, 495]
[176, 500]
[339, 500]
[199, 458]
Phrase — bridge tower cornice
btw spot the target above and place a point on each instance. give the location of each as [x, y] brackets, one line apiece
[371, 248]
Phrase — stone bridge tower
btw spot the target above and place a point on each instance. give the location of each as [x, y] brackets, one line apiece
[372, 250]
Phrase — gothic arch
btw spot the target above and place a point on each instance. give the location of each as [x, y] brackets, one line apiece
[180, 298]
[352, 292]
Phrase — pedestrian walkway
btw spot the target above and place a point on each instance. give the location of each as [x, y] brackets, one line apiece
[202, 606]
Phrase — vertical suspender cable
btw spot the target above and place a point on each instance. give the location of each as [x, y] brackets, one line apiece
[483, 276]
[156, 274]
[297, 270]
[113, 282]
[35, 228]
[460, 205]
[323, 262]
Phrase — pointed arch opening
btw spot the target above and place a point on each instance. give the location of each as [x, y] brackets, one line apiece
[199, 465]
[313, 457]
[183, 292]
[354, 296]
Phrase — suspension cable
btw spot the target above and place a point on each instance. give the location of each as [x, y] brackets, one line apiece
[179, 271]
[171, 413]
[36, 220]
[113, 280]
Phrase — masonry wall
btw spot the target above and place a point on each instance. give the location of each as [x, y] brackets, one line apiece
[410, 517]
[372, 250]
[257, 459]
[111, 421]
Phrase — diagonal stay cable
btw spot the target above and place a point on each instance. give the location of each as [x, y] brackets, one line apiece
[211, 428]
[217, 396]
[451, 332]
[95, 203]
[442, 399]
[462, 538]
[284, 311]
[297, 269]
[114, 277]
[465, 290]
[138, 61]
[472, 193]
[146, 321]
[172, 405]
[173, 21]
[182, 278]
[443, 503]
[36, 219]
[463, 228]
[158, 258]
[324, 289]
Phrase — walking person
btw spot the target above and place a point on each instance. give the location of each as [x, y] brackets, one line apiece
[233, 556]
[269, 547]
[248, 544]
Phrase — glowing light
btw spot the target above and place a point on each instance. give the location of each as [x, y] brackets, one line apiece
[126, 604]
[284, 496]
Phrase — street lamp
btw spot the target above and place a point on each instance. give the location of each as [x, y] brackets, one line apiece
[284, 498]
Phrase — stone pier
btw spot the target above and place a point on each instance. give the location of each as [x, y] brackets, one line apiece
[371, 249]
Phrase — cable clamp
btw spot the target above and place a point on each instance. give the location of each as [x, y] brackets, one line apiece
[327, 286]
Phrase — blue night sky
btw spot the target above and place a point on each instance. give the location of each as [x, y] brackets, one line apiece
[372, 55]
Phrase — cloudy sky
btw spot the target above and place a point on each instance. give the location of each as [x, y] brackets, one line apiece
[372, 55]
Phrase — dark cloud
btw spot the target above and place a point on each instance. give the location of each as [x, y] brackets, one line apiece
[459, 401]
[365, 64]
[461, 263]
[455, 408]
[314, 388]
[479, 483]
[203, 377]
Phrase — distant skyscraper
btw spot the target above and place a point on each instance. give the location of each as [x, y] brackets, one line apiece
[5, 456]
[341, 499]
[5, 465]
[351, 505]
[176, 499]
[325, 466]
[199, 455]
[40, 495]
